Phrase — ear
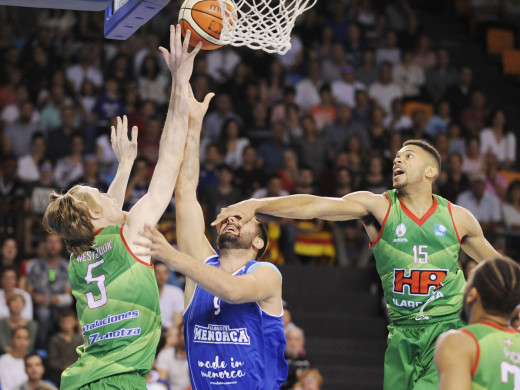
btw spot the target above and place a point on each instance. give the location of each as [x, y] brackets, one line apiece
[258, 243]
[472, 295]
[431, 172]
[95, 214]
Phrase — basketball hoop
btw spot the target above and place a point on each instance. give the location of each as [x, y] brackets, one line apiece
[261, 24]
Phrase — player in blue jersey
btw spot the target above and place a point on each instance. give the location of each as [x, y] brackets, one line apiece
[234, 333]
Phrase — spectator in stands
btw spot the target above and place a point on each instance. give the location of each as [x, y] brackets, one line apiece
[441, 143]
[87, 68]
[12, 197]
[333, 64]
[171, 298]
[496, 183]
[91, 176]
[363, 109]
[209, 169]
[120, 69]
[109, 104]
[8, 253]
[325, 112]
[70, 168]
[273, 87]
[312, 148]
[62, 345]
[384, 91]
[396, 120]
[49, 285]
[222, 63]
[418, 129]
[472, 159]
[309, 379]
[344, 89]
[438, 123]
[9, 283]
[12, 368]
[511, 207]
[453, 181]
[295, 355]
[455, 139]
[355, 45]
[289, 171]
[35, 371]
[475, 117]
[59, 139]
[375, 180]
[458, 94]
[378, 135]
[281, 110]
[28, 165]
[272, 188]
[482, 204]
[366, 73]
[409, 76]
[249, 176]
[16, 303]
[441, 76]
[232, 143]
[287, 317]
[497, 139]
[173, 364]
[389, 52]
[271, 151]
[139, 182]
[342, 129]
[424, 56]
[215, 120]
[151, 81]
[17, 136]
[307, 90]
[258, 129]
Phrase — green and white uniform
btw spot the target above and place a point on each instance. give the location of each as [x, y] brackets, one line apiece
[417, 260]
[497, 364]
[118, 309]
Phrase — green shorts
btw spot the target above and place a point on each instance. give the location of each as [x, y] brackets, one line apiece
[128, 381]
[409, 357]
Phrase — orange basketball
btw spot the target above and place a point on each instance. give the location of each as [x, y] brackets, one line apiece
[204, 19]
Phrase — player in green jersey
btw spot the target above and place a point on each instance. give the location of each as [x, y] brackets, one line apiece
[116, 292]
[415, 237]
[484, 355]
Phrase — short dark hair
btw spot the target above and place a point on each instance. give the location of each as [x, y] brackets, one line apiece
[27, 357]
[7, 269]
[426, 146]
[498, 282]
[67, 312]
[262, 233]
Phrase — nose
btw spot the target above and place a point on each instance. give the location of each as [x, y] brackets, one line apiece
[397, 160]
[233, 220]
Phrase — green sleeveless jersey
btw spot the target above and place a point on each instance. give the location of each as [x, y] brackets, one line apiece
[417, 260]
[497, 364]
[118, 309]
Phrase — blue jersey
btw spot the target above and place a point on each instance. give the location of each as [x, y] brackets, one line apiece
[233, 346]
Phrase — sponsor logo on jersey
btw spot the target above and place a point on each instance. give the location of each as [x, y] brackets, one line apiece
[221, 334]
[400, 231]
[418, 281]
[440, 230]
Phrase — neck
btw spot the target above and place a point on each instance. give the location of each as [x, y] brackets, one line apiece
[478, 314]
[17, 354]
[417, 201]
[231, 260]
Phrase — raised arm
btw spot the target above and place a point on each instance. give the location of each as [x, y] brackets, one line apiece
[455, 353]
[126, 152]
[173, 140]
[352, 206]
[473, 242]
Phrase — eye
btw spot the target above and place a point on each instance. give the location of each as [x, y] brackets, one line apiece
[408, 155]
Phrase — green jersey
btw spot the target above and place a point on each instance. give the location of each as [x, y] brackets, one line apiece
[497, 364]
[417, 260]
[118, 309]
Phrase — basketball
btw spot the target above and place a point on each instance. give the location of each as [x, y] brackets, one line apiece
[204, 19]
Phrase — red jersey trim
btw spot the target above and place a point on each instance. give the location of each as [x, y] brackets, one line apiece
[453, 221]
[425, 217]
[477, 358]
[130, 251]
[384, 222]
[98, 231]
[488, 323]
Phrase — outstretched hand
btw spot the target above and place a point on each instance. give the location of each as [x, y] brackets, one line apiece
[198, 109]
[178, 59]
[124, 149]
[242, 211]
[158, 245]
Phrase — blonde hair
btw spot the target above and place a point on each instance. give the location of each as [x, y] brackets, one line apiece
[308, 372]
[68, 215]
[13, 297]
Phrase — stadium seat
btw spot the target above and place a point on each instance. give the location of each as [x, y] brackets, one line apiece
[411, 106]
[499, 40]
[511, 62]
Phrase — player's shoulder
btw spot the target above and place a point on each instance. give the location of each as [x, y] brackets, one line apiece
[265, 269]
[457, 340]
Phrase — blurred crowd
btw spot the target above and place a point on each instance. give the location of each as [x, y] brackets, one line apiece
[326, 118]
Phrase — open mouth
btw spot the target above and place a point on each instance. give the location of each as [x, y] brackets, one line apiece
[230, 229]
[398, 171]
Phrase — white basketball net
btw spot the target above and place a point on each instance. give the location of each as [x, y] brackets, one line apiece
[261, 24]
